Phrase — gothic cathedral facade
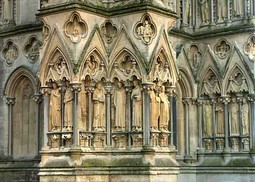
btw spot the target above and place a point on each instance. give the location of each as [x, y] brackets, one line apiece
[127, 90]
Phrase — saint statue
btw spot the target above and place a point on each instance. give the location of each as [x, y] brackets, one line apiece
[220, 119]
[204, 8]
[136, 97]
[145, 31]
[234, 118]
[120, 105]
[99, 107]
[237, 7]
[221, 10]
[164, 110]
[155, 108]
[187, 12]
[245, 117]
[207, 113]
[68, 100]
[55, 108]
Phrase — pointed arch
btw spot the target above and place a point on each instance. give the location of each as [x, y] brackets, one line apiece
[56, 67]
[127, 64]
[239, 77]
[15, 78]
[93, 65]
[186, 87]
[210, 84]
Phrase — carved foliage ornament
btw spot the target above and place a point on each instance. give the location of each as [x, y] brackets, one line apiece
[10, 52]
[222, 49]
[109, 31]
[145, 29]
[249, 47]
[31, 49]
[75, 28]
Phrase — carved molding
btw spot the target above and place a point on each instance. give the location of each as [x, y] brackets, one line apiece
[10, 52]
[31, 49]
[46, 31]
[75, 28]
[109, 31]
[145, 29]
[222, 48]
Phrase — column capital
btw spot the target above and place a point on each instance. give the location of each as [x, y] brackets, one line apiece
[251, 97]
[225, 100]
[46, 91]
[187, 100]
[147, 86]
[37, 98]
[10, 101]
[76, 87]
[62, 88]
[90, 88]
[108, 88]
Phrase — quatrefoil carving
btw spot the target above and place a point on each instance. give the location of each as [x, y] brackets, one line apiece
[10, 52]
[75, 28]
[31, 49]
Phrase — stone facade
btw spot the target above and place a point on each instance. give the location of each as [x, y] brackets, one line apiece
[127, 90]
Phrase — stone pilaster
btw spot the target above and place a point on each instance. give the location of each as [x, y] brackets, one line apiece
[108, 89]
[46, 91]
[76, 88]
[89, 91]
[186, 102]
[38, 100]
[128, 89]
[10, 101]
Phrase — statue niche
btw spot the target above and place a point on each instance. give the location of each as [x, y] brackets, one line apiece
[68, 101]
[120, 107]
[221, 10]
[207, 118]
[99, 108]
[195, 57]
[245, 118]
[164, 110]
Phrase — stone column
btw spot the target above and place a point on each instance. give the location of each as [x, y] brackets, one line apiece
[226, 101]
[146, 114]
[212, 23]
[213, 102]
[128, 89]
[38, 100]
[108, 89]
[62, 90]
[89, 90]
[10, 101]
[76, 88]
[228, 12]
[187, 135]
[183, 24]
[240, 101]
[46, 91]
[200, 128]
[252, 129]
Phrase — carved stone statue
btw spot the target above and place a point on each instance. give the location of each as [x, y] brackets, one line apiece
[99, 108]
[164, 110]
[207, 113]
[187, 11]
[204, 8]
[55, 108]
[137, 107]
[120, 105]
[237, 7]
[234, 118]
[155, 108]
[68, 100]
[221, 10]
[220, 119]
[245, 117]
